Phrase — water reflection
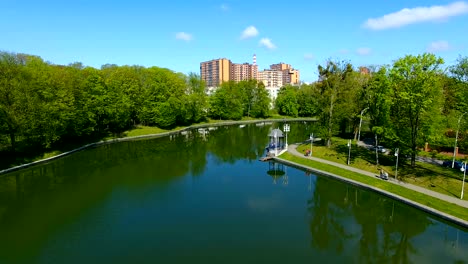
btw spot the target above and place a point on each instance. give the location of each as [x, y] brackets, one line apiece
[276, 171]
[192, 196]
[381, 230]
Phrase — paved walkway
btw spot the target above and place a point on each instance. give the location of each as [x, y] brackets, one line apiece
[292, 149]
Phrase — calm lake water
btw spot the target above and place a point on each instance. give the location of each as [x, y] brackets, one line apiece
[207, 199]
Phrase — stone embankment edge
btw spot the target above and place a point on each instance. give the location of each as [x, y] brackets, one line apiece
[447, 217]
[149, 136]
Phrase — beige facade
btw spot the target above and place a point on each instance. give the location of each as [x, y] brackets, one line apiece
[294, 76]
[290, 75]
[271, 78]
[245, 71]
[215, 72]
[280, 66]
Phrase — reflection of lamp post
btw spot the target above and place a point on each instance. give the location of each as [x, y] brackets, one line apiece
[396, 166]
[360, 123]
[463, 184]
[286, 129]
[456, 138]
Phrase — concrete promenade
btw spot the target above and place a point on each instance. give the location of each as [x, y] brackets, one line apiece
[292, 150]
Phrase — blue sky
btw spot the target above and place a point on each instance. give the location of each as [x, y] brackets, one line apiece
[180, 34]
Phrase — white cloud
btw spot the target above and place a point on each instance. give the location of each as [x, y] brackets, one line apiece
[184, 36]
[266, 42]
[308, 56]
[363, 51]
[249, 32]
[224, 7]
[436, 46]
[409, 16]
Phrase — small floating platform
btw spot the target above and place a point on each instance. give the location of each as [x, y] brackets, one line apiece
[267, 158]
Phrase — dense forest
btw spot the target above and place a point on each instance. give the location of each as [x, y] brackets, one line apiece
[43, 105]
[406, 104]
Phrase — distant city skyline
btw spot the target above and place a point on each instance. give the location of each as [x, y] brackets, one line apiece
[179, 35]
[216, 71]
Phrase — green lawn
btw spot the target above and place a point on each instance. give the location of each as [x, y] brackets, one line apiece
[424, 199]
[147, 130]
[430, 176]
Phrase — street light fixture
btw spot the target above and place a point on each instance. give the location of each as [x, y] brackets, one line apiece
[286, 129]
[276, 143]
[349, 150]
[463, 184]
[311, 142]
[456, 138]
[360, 123]
[397, 150]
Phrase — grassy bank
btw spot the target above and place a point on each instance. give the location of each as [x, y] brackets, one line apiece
[433, 177]
[424, 199]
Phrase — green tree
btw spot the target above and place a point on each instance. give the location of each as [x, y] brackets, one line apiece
[247, 88]
[226, 103]
[159, 86]
[331, 89]
[261, 101]
[416, 91]
[13, 80]
[196, 103]
[351, 101]
[287, 103]
[307, 100]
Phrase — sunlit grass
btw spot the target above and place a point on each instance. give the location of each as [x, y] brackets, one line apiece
[440, 205]
[47, 155]
[147, 130]
[331, 154]
[430, 176]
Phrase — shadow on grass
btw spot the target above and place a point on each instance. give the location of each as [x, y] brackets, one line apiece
[365, 154]
[404, 165]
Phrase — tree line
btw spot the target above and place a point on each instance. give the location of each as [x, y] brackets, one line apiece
[408, 103]
[43, 105]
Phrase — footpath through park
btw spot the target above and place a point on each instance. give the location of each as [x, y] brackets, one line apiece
[292, 150]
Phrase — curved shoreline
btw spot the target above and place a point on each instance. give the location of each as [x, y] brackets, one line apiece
[427, 209]
[149, 136]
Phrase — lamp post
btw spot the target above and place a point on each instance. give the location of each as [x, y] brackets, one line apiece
[276, 143]
[286, 129]
[456, 138]
[349, 151]
[396, 166]
[311, 142]
[360, 123]
[463, 183]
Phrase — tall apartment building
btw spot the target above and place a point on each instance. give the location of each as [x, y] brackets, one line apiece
[245, 71]
[215, 72]
[271, 78]
[290, 75]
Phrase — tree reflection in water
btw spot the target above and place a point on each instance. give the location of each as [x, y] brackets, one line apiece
[384, 234]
